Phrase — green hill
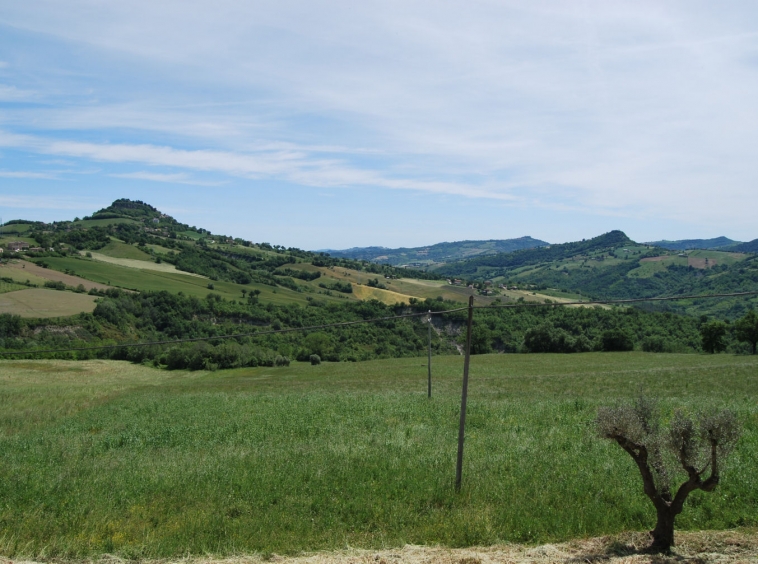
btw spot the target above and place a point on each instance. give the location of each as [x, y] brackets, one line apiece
[720, 243]
[440, 253]
[614, 267]
[495, 265]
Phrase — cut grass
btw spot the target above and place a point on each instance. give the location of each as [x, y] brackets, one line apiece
[141, 264]
[110, 457]
[119, 250]
[40, 302]
[26, 270]
[146, 280]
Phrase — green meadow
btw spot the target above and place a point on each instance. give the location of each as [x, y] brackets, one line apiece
[149, 280]
[109, 457]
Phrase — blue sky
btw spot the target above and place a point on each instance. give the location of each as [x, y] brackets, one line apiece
[328, 124]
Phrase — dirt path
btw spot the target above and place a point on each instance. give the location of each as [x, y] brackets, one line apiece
[722, 547]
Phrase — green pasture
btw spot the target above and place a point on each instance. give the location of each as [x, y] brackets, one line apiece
[194, 235]
[10, 286]
[107, 457]
[117, 249]
[150, 280]
[16, 228]
[10, 237]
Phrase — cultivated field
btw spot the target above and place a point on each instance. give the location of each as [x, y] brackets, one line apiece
[107, 457]
[22, 270]
[176, 281]
[142, 264]
[117, 249]
[40, 302]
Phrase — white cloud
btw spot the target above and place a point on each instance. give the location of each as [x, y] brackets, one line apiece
[44, 202]
[172, 178]
[25, 174]
[11, 93]
[637, 108]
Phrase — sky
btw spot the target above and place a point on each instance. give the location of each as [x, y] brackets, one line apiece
[336, 124]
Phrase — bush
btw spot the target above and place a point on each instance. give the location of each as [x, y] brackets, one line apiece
[281, 361]
[315, 359]
[55, 285]
[713, 334]
[616, 340]
[546, 338]
[657, 345]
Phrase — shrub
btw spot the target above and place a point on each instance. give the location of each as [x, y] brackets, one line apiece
[656, 345]
[281, 361]
[55, 285]
[616, 340]
[315, 359]
[713, 334]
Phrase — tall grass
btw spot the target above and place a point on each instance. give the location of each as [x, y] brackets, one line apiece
[110, 457]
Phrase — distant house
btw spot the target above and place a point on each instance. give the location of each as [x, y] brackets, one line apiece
[156, 220]
[17, 246]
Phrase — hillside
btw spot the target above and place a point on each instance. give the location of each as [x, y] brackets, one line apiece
[614, 267]
[751, 247]
[152, 277]
[440, 253]
[487, 266]
[720, 243]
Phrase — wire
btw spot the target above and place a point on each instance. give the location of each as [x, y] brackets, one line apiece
[376, 320]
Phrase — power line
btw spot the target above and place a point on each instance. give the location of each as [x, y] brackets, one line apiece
[377, 320]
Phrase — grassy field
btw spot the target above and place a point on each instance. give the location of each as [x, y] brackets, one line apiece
[119, 250]
[22, 270]
[16, 228]
[10, 286]
[141, 264]
[106, 457]
[147, 280]
[40, 302]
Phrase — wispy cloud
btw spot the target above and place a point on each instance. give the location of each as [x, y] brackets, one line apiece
[25, 174]
[12, 94]
[46, 203]
[628, 108]
[171, 178]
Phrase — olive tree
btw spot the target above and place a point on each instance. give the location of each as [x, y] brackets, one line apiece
[692, 448]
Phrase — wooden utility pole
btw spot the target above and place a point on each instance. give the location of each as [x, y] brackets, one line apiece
[429, 363]
[464, 397]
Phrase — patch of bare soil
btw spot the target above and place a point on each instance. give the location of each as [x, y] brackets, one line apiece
[705, 547]
[655, 259]
[702, 263]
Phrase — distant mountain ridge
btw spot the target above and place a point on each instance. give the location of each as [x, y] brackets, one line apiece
[439, 252]
[720, 243]
[750, 247]
[517, 259]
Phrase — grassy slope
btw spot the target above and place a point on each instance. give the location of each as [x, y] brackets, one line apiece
[40, 302]
[110, 457]
[146, 280]
[118, 249]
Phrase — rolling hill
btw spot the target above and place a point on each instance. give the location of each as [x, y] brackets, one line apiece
[440, 253]
[720, 243]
